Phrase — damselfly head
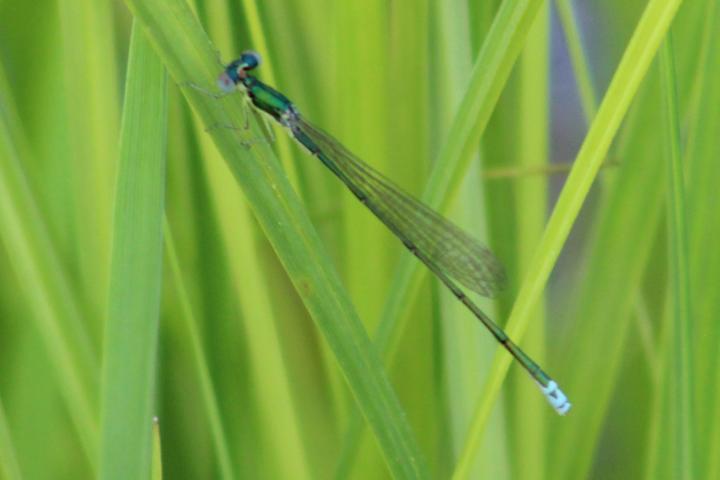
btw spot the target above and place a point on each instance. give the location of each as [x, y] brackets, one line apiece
[236, 70]
[249, 60]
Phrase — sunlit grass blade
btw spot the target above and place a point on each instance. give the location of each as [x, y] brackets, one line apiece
[9, 467]
[274, 395]
[242, 254]
[702, 170]
[600, 321]
[713, 438]
[678, 438]
[490, 71]
[189, 57]
[131, 331]
[528, 419]
[637, 57]
[156, 469]
[679, 435]
[246, 383]
[682, 417]
[45, 286]
[455, 342]
[355, 120]
[90, 79]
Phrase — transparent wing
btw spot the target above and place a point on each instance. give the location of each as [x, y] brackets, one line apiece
[448, 247]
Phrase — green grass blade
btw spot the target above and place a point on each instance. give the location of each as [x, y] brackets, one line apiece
[681, 440]
[9, 466]
[268, 364]
[90, 73]
[581, 69]
[682, 418]
[460, 29]
[128, 385]
[44, 284]
[713, 439]
[209, 397]
[639, 53]
[357, 120]
[701, 170]
[246, 384]
[659, 434]
[490, 72]
[156, 468]
[242, 254]
[600, 321]
[704, 227]
[189, 57]
[529, 423]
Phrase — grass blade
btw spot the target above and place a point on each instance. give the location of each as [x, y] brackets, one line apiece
[90, 73]
[156, 452]
[639, 53]
[489, 74]
[9, 467]
[207, 389]
[188, 55]
[45, 285]
[682, 417]
[528, 418]
[581, 70]
[246, 385]
[701, 170]
[128, 385]
[633, 203]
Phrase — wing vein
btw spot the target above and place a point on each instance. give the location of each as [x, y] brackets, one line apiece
[447, 246]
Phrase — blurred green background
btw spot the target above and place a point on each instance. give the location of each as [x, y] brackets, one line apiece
[212, 297]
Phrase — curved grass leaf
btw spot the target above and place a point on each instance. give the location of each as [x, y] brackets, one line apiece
[490, 72]
[46, 287]
[9, 467]
[636, 60]
[188, 55]
[131, 332]
[682, 418]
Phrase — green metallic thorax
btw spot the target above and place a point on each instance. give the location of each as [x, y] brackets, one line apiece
[268, 99]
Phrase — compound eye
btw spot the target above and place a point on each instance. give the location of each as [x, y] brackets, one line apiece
[225, 83]
[250, 59]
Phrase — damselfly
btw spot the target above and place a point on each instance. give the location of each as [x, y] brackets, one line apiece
[450, 253]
